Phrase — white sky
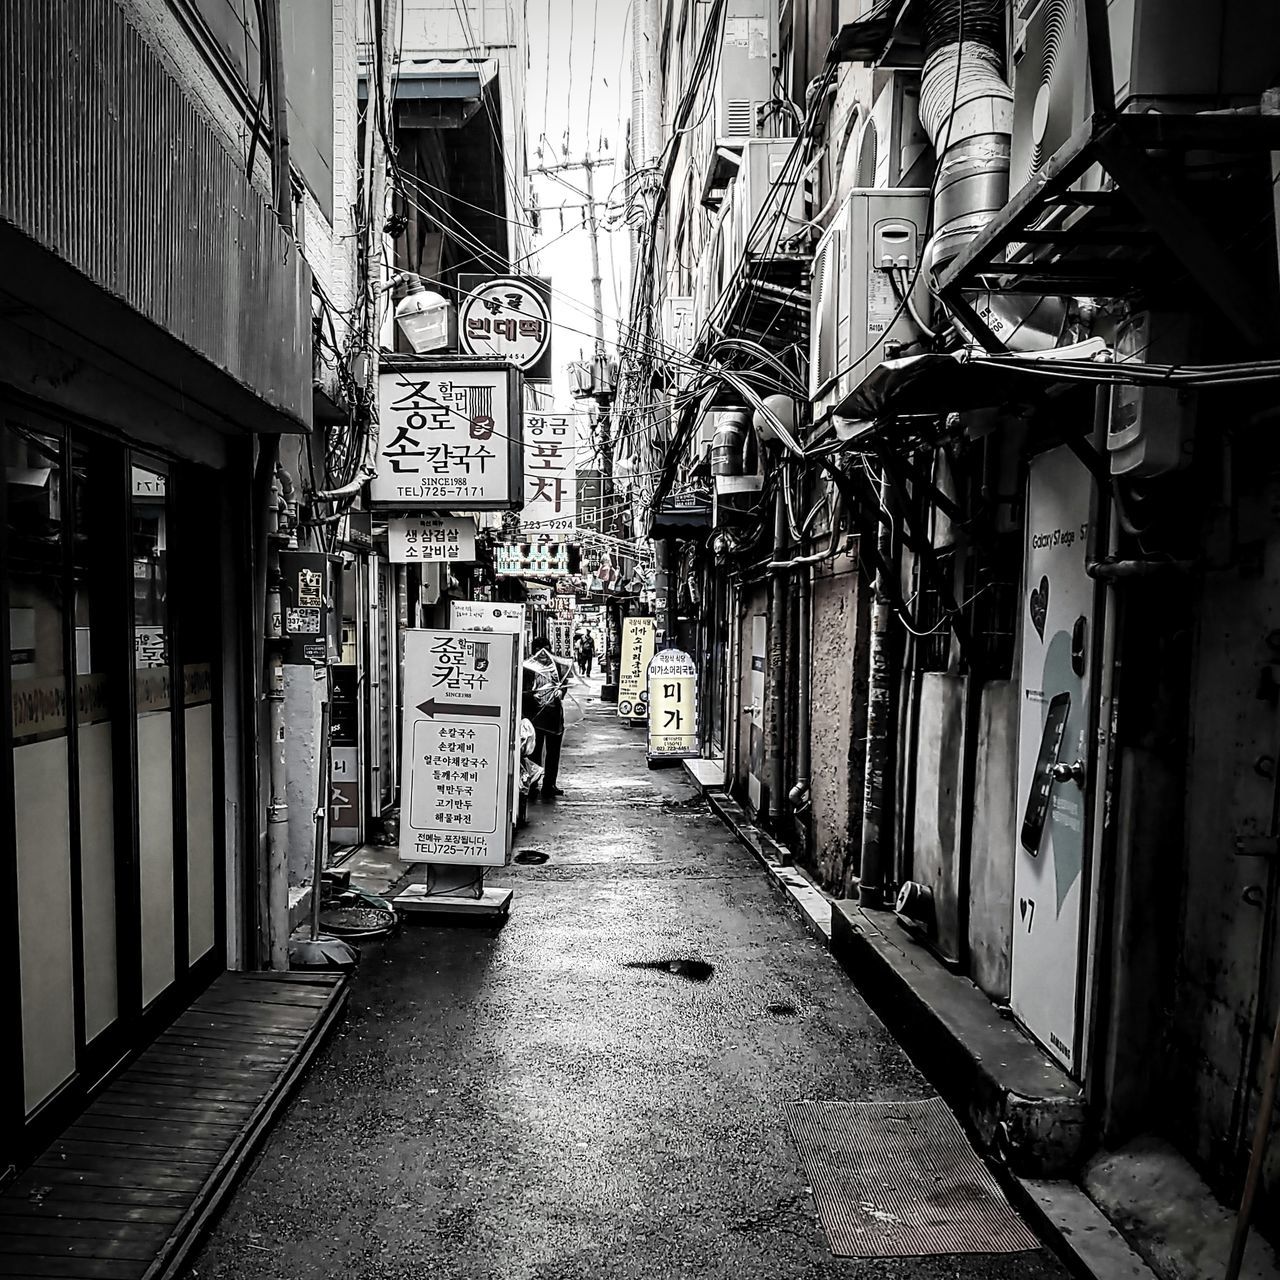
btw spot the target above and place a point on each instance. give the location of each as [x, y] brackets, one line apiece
[564, 97]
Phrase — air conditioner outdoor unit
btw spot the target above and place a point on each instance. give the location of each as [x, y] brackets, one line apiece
[893, 147]
[1167, 55]
[745, 77]
[759, 187]
[865, 260]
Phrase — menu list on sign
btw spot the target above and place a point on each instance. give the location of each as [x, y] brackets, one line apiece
[459, 699]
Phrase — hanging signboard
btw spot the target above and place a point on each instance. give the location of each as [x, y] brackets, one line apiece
[637, 653]
[673, 706]
[1053, 754]
[449, 436]
[550, 474]
[488, 615]
[507, 318]
[538, 559]
[565, 605]
[458, 747]
[414, 539]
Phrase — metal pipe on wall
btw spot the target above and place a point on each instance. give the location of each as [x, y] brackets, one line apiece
[876, 792]
[776, 678]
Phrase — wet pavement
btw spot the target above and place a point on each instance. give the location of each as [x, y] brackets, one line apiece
[544, 1101]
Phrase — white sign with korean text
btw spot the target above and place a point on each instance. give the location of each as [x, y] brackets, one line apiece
[508, 317]
[550, 474]
[458, 747]
[489, 615]
[415, 539]
[673, 706]
[637, 652]
[446, 438]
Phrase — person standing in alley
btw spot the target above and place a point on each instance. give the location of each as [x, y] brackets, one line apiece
[585, 652]
[550, 676]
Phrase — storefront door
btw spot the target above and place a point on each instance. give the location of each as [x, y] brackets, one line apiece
[112, 754]
[1054, 783]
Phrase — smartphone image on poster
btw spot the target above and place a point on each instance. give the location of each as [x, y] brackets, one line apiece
[1033, 820]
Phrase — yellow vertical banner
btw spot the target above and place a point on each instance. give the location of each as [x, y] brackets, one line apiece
[637, 653]
[673, 706]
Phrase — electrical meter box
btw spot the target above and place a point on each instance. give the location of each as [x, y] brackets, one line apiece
[1151, 428]
[865, 262]
[311, 607]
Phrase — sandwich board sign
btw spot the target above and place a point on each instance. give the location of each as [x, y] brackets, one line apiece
[673, 706]
[489, 615]
[637, 652]
[458, 747]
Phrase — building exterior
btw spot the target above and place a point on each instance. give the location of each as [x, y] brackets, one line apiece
[167, 263]
[961, 468]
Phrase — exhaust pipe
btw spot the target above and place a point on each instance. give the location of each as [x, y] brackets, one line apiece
[966, 107]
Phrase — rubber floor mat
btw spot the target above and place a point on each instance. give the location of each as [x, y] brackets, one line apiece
[899, 1179]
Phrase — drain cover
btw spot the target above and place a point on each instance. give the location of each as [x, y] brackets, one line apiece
[899, 1179]
[530, 857]
[781, 1009]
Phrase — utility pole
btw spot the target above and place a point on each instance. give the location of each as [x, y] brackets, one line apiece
[601, 379]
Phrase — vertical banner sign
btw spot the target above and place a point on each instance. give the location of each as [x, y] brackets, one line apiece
[458, 747]
[1053, 730]
[673, 706]
[507, 318]
[550, 474]
[431, 538]
[449, 437]
[637, 653]
[486, 615]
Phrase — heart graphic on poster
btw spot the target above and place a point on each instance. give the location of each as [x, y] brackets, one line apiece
[1040, 606]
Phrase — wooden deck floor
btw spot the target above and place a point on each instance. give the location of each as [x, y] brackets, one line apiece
[124, 1192]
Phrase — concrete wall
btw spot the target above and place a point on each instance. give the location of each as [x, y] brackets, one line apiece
[328, 251]
[994, 839]
[937, 815]
[837, 725]
[304, 693]
[1223, 963]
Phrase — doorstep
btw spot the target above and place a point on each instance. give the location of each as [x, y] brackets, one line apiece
[706, 775]
[126, 1191]
[1017, 1100]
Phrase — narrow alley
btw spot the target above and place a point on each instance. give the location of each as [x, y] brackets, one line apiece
[522, 1102]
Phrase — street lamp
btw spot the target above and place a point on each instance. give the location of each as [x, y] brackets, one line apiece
[423, 315]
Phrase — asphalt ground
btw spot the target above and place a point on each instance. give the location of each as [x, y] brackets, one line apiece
[529, 1102]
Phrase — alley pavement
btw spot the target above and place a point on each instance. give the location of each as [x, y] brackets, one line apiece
[524, 1103]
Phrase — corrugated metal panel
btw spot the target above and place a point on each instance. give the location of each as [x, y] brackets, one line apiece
[106, 162]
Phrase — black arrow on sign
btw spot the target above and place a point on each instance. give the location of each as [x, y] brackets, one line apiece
[433, 708]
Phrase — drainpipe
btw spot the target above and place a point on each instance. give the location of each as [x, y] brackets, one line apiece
[799, 794]
[876, 808]
[277, 821]
[777, 655]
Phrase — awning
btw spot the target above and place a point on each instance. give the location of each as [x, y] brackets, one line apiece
[681, 518]
[933, 385]
[439, 93]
